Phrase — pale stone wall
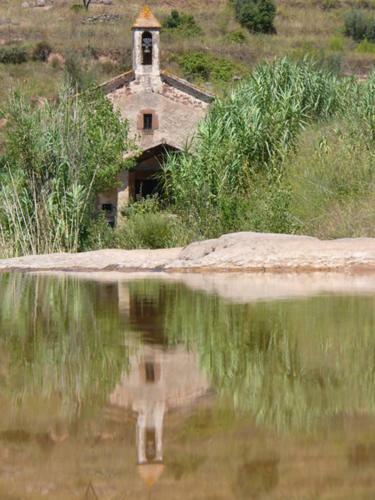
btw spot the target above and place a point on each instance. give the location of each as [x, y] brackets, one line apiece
[178, 114]
[148, 76]
[175, 117]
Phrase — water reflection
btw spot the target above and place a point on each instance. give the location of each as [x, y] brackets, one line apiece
[203, 398]
[160, 378]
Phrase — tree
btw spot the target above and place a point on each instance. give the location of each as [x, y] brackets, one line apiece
[256, 15]
[86, 4]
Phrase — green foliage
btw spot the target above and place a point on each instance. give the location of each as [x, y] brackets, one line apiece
[77, 8]
[237, 36]
[146, 226]
[330, 4]
[256, 15]
[77, 73]
[239, 148]
[57, 157]
[13, 55]
[41, 51]
[268, 364]
[336, 43]
[202, 66]
[359, 25]
[70, 349]
[366, 47]
[183, 23]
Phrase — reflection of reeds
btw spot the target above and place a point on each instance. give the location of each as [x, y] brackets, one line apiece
[62, 342]
[289, 363]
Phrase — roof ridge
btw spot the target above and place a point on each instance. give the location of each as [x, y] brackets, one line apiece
[146, 19]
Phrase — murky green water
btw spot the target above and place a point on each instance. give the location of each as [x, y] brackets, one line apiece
[149, 389]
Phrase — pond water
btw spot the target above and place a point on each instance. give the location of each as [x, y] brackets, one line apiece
[152, 389]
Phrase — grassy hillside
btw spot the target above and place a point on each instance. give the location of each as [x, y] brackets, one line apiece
[100, 48]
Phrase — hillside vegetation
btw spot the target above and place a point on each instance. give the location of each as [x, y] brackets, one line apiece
[96, 44]
[288, 145]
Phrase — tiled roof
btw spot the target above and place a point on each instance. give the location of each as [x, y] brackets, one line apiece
[146, 19]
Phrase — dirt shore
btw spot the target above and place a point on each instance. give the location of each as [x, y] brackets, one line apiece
[236, 252]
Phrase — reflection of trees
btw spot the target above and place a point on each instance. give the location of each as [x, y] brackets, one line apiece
[60, 341]
[289, 362]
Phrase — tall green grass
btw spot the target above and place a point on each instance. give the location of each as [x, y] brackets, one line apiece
[57, 156]
[249, 132]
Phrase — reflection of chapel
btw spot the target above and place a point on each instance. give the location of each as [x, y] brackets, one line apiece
[160, 379]
[162, 111]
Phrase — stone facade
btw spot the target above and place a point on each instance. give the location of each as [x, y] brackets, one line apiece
[162, 110]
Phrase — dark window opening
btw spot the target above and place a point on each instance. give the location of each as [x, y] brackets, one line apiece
[107, 207]
[109, 210]
[147, 121]
[147, 48]
[150, 372]
[150, 444]
[146, 187]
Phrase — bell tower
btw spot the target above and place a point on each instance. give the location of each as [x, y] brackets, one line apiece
[146, 50]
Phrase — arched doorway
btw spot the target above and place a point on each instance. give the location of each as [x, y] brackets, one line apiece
[144, 178]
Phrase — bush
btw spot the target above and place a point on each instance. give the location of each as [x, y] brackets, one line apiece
[13, 55]
[237, 36]
[146, 226]
[256, 15]
[184, 23]
[42, 51]
[366, 47]
[201, 66]
[336, 43]
[359, 26]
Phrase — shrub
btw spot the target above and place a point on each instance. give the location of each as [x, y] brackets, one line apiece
[359, 26]
[237, 36]
[77, 8]
[146, 226]
[256, 15]
[330, 4]
[184, 23]
[366, 47]
[13, 55]
[336, 43]
[198, 65]
[41, 51]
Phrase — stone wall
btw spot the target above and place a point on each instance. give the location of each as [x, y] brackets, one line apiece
[178, 114]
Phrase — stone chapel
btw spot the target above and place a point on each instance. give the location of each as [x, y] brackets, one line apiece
[162, 110]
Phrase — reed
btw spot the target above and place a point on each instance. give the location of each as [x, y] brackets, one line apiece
[250, 132]
[57, 157]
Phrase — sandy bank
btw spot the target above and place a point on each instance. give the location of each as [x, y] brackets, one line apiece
[250, 252]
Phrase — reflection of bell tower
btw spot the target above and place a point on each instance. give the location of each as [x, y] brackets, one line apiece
[160, 377]
[146, 50]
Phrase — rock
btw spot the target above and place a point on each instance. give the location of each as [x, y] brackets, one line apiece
[103, 18]
[247, 251]
[25, 5]
[40, 3]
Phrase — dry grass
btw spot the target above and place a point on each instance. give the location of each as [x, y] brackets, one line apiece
[302, 26]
